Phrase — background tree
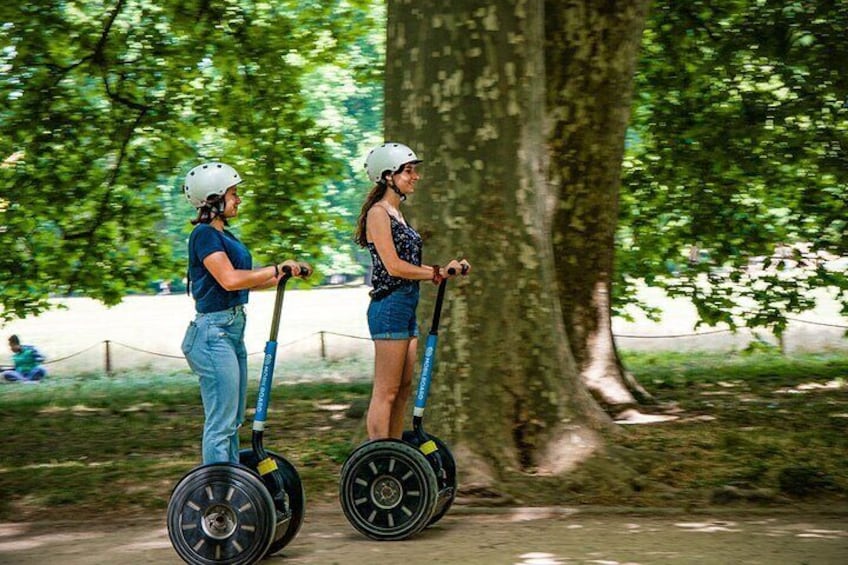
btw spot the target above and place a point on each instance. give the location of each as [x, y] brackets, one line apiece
[591, 54]
[739, 154]
[466, 85]
[736, 151]
[346, 100]
[104, 110]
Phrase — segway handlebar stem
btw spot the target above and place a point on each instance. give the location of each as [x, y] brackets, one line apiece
[267, 375]
[430, 354]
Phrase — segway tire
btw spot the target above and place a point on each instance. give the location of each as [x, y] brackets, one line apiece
[221, 514]
[286, 531]
[445, 480]
[387, 490]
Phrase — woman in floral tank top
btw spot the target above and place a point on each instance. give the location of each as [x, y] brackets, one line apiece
[397, 269]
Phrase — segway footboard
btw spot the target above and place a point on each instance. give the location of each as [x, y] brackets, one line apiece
[290, 505]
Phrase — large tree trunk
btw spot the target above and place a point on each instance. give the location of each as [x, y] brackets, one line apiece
[465, 87]
[591, 53]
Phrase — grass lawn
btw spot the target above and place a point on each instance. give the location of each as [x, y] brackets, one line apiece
[752, 429]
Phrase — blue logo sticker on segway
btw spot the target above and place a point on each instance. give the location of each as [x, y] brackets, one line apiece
[426, 372]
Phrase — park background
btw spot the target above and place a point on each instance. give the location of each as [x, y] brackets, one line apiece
[328, 322]
[648, 169]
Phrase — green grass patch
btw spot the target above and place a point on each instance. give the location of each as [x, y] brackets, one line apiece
[757, 428]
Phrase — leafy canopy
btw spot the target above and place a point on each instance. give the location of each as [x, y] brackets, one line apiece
[105, 109]
[738, 155]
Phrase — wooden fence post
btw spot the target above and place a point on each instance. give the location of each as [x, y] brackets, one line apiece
[108, 358]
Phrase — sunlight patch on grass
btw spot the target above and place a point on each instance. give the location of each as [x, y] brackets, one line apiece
[802, 388]
[709, 527]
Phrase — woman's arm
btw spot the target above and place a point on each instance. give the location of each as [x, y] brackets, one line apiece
[230, 278]
[295, 272]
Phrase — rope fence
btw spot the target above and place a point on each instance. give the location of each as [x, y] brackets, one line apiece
[109, 345]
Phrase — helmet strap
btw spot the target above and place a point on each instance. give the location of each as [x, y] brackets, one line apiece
[395, 189]
[219, 211]
[216, 210]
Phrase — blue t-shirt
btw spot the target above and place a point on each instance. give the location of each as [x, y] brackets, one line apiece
[210, 296]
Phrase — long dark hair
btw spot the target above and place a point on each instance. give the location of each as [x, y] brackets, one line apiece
[373, 197]
[213, 208]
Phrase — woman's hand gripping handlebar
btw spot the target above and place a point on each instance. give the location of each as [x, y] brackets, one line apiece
[292, 269]
[462, 267]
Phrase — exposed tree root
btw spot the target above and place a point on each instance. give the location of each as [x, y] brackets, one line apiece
[573, 445]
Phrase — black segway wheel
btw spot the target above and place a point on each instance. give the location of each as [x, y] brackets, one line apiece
[286, 530]
[446, 476]
[221, 514]
[387, 489]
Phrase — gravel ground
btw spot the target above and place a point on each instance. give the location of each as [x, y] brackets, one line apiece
[469, 536]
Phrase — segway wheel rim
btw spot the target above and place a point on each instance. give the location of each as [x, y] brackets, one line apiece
[221, 514]
[387, 490]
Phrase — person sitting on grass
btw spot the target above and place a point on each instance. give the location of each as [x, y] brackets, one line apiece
[27, 360]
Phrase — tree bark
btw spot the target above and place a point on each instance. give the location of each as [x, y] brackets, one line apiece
[465, 87]
[591, 53]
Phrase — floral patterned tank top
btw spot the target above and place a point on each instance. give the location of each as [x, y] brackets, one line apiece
[408, 246]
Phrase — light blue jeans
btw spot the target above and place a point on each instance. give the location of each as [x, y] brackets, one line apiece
[30, 376]
[214, 348]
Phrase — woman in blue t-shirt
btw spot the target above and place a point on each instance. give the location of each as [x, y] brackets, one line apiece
[396, 258]
[220, 273]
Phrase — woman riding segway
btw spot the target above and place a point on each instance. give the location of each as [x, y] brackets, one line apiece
[240, 504]
[396, 483]
[396, 250]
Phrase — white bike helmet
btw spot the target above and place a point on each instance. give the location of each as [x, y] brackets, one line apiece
[388, 157]
[207, 179]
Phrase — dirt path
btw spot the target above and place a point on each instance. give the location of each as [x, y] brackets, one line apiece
[559, 536]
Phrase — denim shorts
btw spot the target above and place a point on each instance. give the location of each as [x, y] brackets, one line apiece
[393, 317]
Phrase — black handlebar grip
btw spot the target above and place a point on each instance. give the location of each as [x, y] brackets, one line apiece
[452, 271]
[303, 270]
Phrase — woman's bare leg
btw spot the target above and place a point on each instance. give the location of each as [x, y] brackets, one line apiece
[402, 398]
[389, 368]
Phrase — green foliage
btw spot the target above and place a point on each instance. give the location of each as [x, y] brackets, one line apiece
[104, 110]
[803, 481]
[739, 145]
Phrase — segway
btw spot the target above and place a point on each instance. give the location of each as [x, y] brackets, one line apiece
[226, 513]
[391, 489]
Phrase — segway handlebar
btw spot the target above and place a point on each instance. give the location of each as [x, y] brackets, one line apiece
[463, 272]
[278, 303]
[430, 355]
[288, 272]
[440, 297]
[267, 375]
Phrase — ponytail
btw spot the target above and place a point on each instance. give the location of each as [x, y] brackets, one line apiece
[373, 197]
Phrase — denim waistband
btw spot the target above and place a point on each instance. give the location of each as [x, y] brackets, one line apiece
[238, 309]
